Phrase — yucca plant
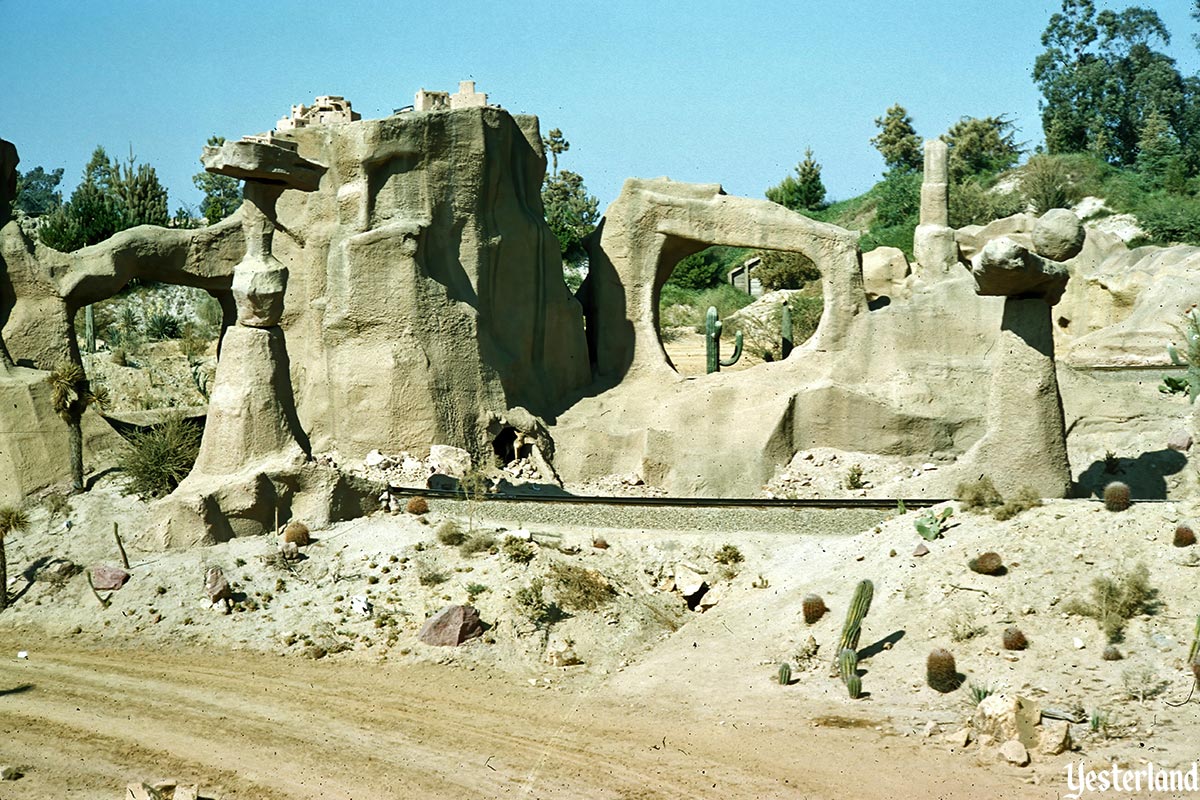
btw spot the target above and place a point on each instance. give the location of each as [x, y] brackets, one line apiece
[11, 519]
[71, 394]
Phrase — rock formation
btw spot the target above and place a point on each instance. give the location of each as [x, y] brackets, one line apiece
[933, 241]
[655, 223]
[1025, 443]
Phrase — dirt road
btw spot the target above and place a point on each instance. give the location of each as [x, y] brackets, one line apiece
[254, 726]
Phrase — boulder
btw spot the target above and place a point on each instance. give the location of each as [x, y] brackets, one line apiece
[106, 578]
[1058, 235]
[447, 460]
[1180, 440]
[1007, 717]
[451, 626]
[884, 271]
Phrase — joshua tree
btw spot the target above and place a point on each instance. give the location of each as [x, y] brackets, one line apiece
[11, 519]
[71, 397]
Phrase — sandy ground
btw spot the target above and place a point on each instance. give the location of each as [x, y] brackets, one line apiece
[667, 702]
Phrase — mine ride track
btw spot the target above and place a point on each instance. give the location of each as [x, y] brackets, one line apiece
[702, 502]
[675, 502]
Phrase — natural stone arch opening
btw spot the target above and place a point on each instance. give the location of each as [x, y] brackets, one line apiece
[154, 348]
[654, 224]
[744, 305]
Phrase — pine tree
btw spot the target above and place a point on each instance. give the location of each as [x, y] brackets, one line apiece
[222, 194]
[897, 141]
[142, 197]
[555, 145]
[805, 192]
[1160, 159]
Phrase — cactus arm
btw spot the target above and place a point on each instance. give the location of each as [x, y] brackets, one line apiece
[737, 351]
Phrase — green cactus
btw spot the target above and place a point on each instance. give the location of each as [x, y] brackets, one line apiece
[712, 343]
[1191, 382]
[785, 674]
[1191, 659]
[847, 664]
[859, 606]
[854, 687]
[787, 343]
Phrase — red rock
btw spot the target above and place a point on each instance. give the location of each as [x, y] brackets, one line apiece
[106, 578]
[451, 626]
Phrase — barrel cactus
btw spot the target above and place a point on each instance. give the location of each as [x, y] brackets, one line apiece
[941, 672]
[814, 608]
[1116, 496]
[785, 674]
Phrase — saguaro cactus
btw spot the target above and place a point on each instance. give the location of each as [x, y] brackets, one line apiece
[712, 343]
[855, 614]
[786, 342]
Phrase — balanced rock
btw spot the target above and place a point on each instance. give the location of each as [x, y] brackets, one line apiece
[451, 626]
[1058, 235]
[1008, 269]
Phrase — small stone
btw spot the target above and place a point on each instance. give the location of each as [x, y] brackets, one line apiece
[375, 459]
[9, 773]
[1180, 440]
[140, 791]
[361, 605]
[1077, 643]
[1055, 738]
[106, 578]
[891, 553]
[290, 551]
[921, 550]
[216, 587]
[959, 739]
[930, 729]
[1014, 752]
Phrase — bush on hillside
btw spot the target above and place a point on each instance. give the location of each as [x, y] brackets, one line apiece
[160, 458]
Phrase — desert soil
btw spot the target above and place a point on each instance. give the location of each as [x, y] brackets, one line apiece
[296, 695]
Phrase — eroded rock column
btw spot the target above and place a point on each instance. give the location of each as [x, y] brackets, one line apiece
[1025, 443]
[252, 412]
[933, 241]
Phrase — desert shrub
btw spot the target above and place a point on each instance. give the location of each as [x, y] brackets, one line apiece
[450, 533]
[728, 554]
[162, 325]
[782, 270]
[474, 590]
[1117, 600]
[578, 588]
[1025, 499]
[1170, 219]
[479, 542]
[57, 503]
[1046, 183]
[517, 550]
[978, 496]
[854, 477]
[702, 270]
[417, 505]
[430, 572]
[532, 604]
[160, 458]
[193, 343]
[972, 204]
[964, 627]
[898, 236]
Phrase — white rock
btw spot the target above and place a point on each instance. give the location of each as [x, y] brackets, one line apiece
[1077, 643]
[375, 459]
[361, 605]
[452, 461]
[1014, 752]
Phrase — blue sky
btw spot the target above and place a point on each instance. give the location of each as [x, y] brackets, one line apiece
[703, 91]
